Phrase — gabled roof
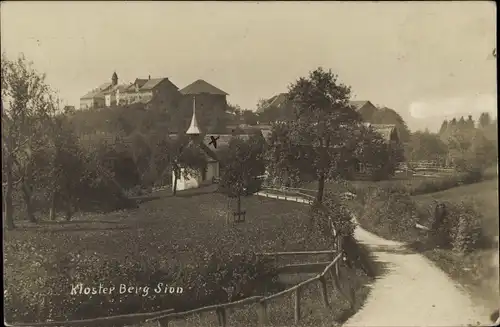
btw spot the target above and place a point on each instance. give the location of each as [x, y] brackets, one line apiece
[140, 81]
[121, 88]
[278, 100]
[358, 104]
[97, 92]
[385, 130]
[152, 83]
[200, 87]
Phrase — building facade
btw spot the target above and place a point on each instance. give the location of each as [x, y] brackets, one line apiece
[154, 92]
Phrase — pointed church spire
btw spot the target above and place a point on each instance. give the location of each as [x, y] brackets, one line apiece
[193, 128]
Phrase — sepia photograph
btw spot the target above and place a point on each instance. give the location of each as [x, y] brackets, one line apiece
[249, 163]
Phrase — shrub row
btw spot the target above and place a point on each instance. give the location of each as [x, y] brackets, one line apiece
[424, 186]
[460, 230]
[393, 215]
[47, 294]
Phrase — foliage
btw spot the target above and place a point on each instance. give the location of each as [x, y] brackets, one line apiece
[322, 131]
[471, 152]
[484, 119]
[381, 157]
[461, 229]
[390, 214]
[249, 117]
[332, 213]
[287, 161]
[27, 105]
[426, 146]
[242, 163]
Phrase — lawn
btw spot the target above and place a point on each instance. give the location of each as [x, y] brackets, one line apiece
[484, 193]
[184, 241]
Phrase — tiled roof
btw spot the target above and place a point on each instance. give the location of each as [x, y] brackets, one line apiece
[200, 87]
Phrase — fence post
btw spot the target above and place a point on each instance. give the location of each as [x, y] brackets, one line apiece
[296, 302]
[221, 317]
[324, 293]
[262, 313]
[163, 322]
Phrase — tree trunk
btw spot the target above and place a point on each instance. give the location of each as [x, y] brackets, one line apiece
[69, 210]
[321, 188]
[27, 200]
[52, 210]
[238, 208]
[176, 177]
[9, 208]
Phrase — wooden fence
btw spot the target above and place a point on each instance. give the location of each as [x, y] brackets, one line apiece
[262, 302]
[121, 320]
[289, 194]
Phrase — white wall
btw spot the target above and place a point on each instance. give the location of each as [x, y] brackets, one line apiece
[212, 171]
[196, 181]
[108, 100]
[186, 183]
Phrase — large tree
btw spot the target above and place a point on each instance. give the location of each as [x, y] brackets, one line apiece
[323, 129]
[242, 163]
[27, 105]
[484, 119]
[426, 146]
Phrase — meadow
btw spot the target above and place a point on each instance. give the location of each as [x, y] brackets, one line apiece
[183, 241]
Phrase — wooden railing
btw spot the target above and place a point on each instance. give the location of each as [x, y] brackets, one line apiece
[262, 302]
[288, 193]
[121, 320]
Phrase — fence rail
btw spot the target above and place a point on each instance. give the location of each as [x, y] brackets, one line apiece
[288, 193]
[221, 310]
[122, 320]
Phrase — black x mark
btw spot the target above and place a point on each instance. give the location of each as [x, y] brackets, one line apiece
[214, 141]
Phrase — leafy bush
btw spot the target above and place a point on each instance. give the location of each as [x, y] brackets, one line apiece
[216, 278]
[463, 226]
[390, 214]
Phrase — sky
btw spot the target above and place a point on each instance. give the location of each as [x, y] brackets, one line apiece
[427, 60]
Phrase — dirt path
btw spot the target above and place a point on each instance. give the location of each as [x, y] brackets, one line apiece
[411, 291]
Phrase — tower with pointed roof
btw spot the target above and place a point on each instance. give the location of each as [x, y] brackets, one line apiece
[193, 130]
[114, 79]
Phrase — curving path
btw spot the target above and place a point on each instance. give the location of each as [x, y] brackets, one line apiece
[412, 291]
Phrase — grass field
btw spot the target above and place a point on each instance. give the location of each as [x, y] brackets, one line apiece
[484, 193]
[477, 271]
[166, 236]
